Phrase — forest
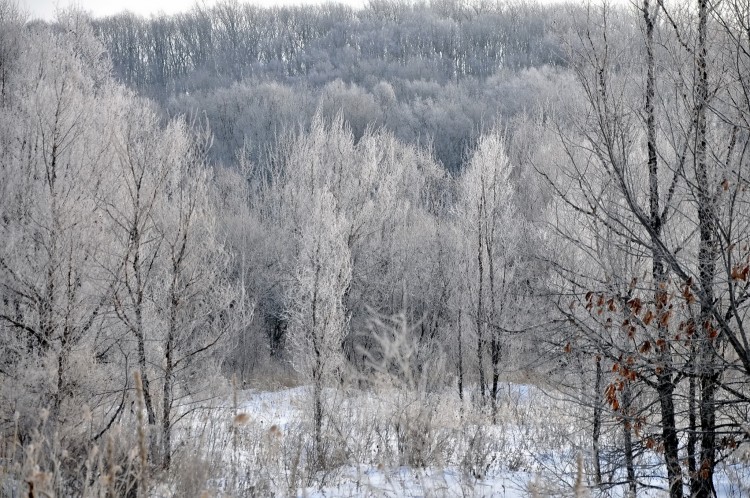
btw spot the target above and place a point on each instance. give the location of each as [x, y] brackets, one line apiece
[419, 248]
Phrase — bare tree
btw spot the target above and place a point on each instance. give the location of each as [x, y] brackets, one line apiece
[317, 316]
[492, 233]
[196, 304]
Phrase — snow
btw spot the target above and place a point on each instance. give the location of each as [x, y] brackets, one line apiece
[405, 481]
[534, 443]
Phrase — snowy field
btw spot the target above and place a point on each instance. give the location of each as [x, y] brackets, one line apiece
[390, 444]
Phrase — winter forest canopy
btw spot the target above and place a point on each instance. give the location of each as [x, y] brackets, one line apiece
[455, 248]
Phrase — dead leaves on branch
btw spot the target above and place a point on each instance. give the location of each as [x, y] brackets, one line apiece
[668, 315]
[651, 325]
[741, 272]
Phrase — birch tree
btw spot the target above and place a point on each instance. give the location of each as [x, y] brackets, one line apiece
[196, 304]
[54, 144]
[486, 214]
[317, 315]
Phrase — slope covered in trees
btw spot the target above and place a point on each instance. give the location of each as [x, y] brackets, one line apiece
[417, 69]
[403, 210]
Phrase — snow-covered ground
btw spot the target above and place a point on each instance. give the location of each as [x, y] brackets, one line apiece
[284, 411]
[405, 481]
[391, 443]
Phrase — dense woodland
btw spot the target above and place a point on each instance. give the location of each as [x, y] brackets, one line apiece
[427, 199]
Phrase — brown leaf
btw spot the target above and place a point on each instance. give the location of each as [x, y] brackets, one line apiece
[688, 295]
[241, 419]
[661, 344]
[741, 272]
[736, 273]
[690, 328]
[665, 317]
[635, 305]
[661, 299]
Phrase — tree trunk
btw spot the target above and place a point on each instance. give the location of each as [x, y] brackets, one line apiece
[709, 384]
[494, 339]
[166, 423]
[146, 385]
[596, 431]
[495, 353]
[480, 308]
[460, 360]
[136, 265]
[318, 422]
[665, 383]
[692, 436]
[665, 390]
[627, 434]
[317, 373]
[62, 362]
[702, 487]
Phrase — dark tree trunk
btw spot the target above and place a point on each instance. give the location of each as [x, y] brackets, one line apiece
[317, 373]
[692, 436]
[139, 297]
[666, 386]
[627, 435]
[702, 485]
[665, 381]
[460, 360]
[495, 353]
[166, 421]
[597, 429]
[480, 308]
[494, 338]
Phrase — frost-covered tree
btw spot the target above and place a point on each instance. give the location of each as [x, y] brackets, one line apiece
[492, 237]
[111, 256]
[55, 140]
[196, 304]
[648, 170]
[316, 311]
